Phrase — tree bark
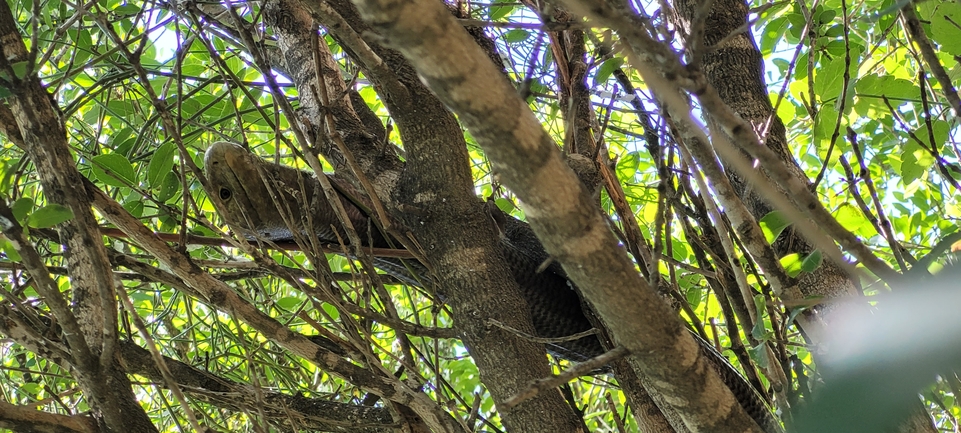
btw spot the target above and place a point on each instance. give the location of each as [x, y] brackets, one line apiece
[432, 198]
[733, 65]
[559, 209]
[43, 137]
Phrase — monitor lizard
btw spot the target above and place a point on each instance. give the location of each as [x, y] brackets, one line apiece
[244, 183]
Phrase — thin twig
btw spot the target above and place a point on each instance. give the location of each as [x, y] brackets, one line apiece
[554, 381]
[542, 340]
[930, 56]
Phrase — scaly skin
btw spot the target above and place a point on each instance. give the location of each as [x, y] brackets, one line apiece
[241, 180]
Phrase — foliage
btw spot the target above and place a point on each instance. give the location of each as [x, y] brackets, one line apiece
[863, 116]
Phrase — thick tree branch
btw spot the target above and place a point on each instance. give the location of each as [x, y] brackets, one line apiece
[434, 199]
[559, 208]
[27, 419]
[45, 140]
[920, 38]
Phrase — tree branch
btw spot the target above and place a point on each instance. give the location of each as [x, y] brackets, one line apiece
[558, 207]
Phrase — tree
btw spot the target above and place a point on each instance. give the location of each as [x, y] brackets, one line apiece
[823, 170]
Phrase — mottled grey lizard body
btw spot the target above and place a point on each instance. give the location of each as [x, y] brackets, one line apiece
[266, 199]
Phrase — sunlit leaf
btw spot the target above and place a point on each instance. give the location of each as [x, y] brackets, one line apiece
[791, 264]
[501, 8]
[851, 218]
[160, 164]
[516, 35]
[49, 216]
[811, 262]
[7, 247]
[607, 68]
[113, 169]
[773, 224]
[289, 303]
[332, 311]
[169, 187]
[504, 205]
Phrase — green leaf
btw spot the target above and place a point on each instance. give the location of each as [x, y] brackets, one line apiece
[516, 35]
[836, 31]
[851, 218]
[501, 8]
[134, 204]
[289, 303]
[797, 22]
[142, 300]
[773, 32]
[695, 295]
[7, 247]
[21, 208]
[49, 216]
[504, 205]
[759, 355]
[941, 130]
[82, 41]
[911, 167]
[791, 264]
[827, 16]
[332, 311]
[167, 223]
[944, 18]
[830, 76]
[811, 262]
[169, 187]
[773, 224]
[607, 68]
[160, 165]
[127, 10]
[835, 48]
[114, 170]
[31, 388]
[758, 330]
[793, 314]
[123, 140]
[20, 69]
[4, 92]
[627, 166]
[122, 108]
[827, 117]
[887, 85]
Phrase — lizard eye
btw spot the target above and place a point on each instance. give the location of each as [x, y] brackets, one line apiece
[224, 193]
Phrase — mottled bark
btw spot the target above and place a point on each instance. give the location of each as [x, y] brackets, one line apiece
[26, 419]
[431, 198]
[93, 309]
[735, 70]
[571, 229]
[732, 64]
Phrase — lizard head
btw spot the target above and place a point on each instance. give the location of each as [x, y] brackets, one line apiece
[254, 191]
